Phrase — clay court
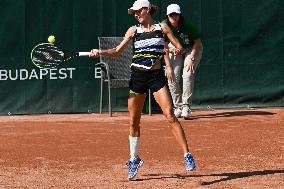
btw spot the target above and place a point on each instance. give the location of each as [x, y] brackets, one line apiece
[233, 148]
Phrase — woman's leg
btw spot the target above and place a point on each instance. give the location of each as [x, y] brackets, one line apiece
[163, 99]
[135, 106]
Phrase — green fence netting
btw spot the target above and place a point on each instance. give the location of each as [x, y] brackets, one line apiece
[242, 64]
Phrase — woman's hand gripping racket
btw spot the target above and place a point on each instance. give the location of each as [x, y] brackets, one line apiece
[47, 55]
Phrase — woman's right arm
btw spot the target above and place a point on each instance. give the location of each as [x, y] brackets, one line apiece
[117, 50]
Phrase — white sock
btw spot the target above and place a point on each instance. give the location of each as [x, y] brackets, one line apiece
[186, 154]
[133, 141]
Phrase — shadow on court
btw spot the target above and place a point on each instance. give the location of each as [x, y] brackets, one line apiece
[227, 176]
[232, 114]
[232, 176]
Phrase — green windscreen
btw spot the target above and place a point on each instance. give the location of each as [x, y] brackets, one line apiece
[242, 63]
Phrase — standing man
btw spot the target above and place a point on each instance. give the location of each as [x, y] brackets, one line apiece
[189, 38]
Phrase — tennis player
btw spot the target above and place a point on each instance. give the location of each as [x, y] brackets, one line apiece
[146, 73]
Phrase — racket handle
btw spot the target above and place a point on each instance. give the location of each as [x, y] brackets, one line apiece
[84, 53]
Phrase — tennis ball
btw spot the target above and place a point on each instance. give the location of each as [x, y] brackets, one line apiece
[51, 39]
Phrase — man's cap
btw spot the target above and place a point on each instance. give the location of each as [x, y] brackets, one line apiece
[173, 8]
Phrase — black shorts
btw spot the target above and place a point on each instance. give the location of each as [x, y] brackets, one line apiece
[141, 80]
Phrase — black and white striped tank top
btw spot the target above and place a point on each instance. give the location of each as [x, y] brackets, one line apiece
[148, 47]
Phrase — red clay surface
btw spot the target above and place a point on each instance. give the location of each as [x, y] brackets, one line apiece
[241, 148]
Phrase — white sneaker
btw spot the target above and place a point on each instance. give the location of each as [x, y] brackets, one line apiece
[185, 113]
[177, 112]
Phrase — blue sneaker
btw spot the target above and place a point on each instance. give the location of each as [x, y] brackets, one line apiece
[189, 162]
[133, 167]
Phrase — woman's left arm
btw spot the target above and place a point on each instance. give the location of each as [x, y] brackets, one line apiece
[168, 32]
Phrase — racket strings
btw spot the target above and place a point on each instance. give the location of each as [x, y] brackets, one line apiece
[47, 56]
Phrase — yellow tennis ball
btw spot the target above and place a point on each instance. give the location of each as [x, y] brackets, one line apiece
[51, 39]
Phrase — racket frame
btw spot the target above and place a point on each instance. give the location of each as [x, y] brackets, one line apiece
[65, 51]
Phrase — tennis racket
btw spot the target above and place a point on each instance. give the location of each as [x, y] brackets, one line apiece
[47, 55]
